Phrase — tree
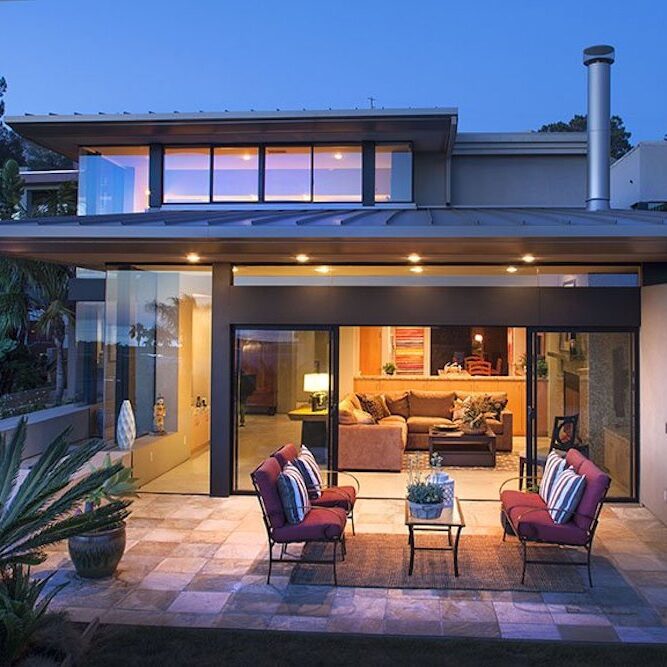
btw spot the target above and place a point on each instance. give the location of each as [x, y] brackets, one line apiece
[620, 137]
[11, 190]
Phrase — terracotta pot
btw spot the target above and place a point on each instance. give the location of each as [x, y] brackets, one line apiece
[96, 555]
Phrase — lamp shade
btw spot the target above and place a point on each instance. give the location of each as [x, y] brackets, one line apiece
[316, 382]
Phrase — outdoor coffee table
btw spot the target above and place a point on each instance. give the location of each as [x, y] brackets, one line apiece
[463, 449]
[450, 519]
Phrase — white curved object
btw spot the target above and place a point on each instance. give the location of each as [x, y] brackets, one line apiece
[126, 428]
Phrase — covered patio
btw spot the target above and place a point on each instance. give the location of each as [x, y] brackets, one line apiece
[200, 562]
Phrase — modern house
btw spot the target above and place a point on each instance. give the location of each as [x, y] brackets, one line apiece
[254, 269]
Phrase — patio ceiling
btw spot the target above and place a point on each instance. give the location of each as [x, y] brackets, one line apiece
[455, 235]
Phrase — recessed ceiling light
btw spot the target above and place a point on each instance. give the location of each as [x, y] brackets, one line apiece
[246, 156]
[529, 259]
[301, 258]
[323, 269]
[235, 269]
[511, 269]
[338, 155]
[414, 258]
[192, 257]
[417, 269]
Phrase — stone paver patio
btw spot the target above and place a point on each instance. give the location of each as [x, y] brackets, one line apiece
[191, 561]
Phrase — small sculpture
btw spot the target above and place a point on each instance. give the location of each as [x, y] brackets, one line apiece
[159, 413]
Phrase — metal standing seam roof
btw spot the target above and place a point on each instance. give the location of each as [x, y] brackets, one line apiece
[385, 222]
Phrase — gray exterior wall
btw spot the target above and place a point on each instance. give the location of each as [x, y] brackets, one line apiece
[640, 175]
[518, 180]
[430, 179]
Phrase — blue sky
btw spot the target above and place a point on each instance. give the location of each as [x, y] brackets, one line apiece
[506, 65]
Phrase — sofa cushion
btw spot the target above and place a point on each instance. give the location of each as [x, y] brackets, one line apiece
[597, 485]
[497, 400]
[293, 494]
[363, 417]
[398, 404]
[392, 419]
[422, 424]
[373, 404]
[266, 479]
[553, 467]
[310, 471]
[346, 410]
[495, 425]
[285, 454]
[565, 495]
[337, 496]
[528, 512]
[431, 403]
[321, 523]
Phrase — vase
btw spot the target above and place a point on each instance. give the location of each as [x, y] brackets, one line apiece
[96, 555]
[425, 510]
[126, 428]
[474, 430]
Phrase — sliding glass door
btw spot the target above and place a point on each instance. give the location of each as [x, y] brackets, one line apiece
[590, 377]
[283, 392]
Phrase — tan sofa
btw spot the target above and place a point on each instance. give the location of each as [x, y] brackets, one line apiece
[380, 446]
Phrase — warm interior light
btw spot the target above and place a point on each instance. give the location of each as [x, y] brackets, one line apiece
[417, 269]
[511, 269]
[338, 155]
[478, 338]
[246, 157]
[301, 258]
[529, 259]
[323, 269]
[414, 258]
[192, 257]
[235, 269]
[316, 382]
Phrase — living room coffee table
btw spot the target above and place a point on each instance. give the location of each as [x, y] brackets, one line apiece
[450, 519]
[463, 449]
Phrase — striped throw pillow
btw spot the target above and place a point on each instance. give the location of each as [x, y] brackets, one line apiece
[310, 472]
[553, 467]
[565, 495]
[293, 494]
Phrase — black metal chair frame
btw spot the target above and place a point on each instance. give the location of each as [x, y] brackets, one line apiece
[588, 545]
[336, 541]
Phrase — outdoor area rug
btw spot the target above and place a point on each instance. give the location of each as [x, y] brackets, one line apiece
[485, 563]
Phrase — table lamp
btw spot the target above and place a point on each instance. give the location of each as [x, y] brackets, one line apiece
[317, 385]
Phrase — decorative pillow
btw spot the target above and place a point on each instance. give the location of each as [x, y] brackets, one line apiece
[374, 405]
[310, 472]
[497, 403]
[565, 495]
[364, 417]
[398, 404]
[346, 412]
[293, 494]
[553, 467]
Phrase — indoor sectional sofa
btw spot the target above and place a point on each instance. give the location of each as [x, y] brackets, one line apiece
[379, 445]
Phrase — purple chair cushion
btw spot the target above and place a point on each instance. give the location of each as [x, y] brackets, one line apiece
[321, 523]
[336, 496]
[285, 454]
[266, 478]
[597, 484]
[529, 514]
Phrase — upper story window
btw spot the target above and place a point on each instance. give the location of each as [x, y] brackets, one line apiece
[287, 173]
[393, 173]
[235, 174]
[113, 179]
[337, 174]
[187, 175]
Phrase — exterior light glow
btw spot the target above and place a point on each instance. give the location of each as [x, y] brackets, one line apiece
[338, 155]
[323, 269]
[414, 258]
[529, 259]
[192, 257]
[511, 269]
[301, 258]
[417, 269]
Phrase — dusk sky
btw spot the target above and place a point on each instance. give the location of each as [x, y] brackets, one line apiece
[505, 65]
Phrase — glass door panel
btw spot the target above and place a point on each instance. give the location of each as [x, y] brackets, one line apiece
[283, 384]
[590, 375]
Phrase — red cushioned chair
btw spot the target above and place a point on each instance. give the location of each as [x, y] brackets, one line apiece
[527, 515]
[332, 496]
[321, 524]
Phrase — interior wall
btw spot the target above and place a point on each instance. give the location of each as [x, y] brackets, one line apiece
[653, 388]
[349, 362]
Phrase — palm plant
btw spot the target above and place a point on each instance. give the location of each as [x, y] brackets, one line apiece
[44, 508]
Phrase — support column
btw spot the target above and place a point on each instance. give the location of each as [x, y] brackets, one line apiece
[221, 383]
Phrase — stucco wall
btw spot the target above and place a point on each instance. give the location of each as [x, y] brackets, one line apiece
[653, 404]
[519, 180]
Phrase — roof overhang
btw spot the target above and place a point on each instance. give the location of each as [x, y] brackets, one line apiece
[346, 236]
[427, 129]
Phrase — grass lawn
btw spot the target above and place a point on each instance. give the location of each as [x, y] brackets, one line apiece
[147, 646]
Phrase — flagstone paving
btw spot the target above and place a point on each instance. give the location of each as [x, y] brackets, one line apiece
[198, 561]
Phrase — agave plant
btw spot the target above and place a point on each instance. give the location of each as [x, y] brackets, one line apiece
[43, 508]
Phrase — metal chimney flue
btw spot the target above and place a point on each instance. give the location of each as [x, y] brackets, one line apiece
[598, 60]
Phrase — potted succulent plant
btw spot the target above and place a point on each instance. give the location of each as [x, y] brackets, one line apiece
[425, 499]
[389, 368]
[96, 554]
